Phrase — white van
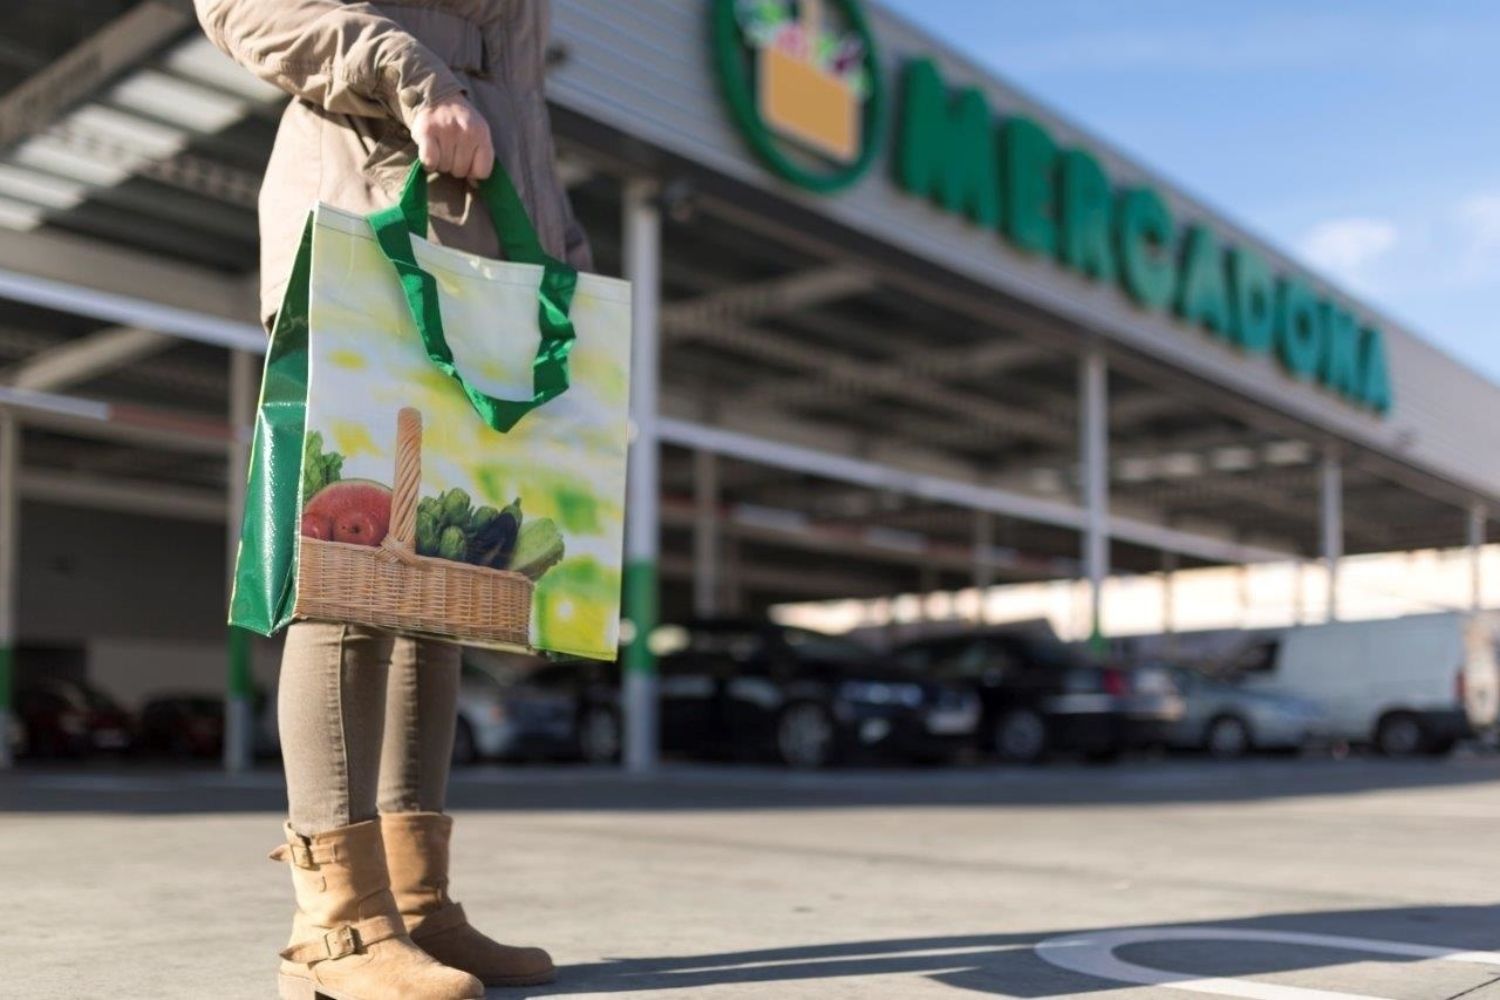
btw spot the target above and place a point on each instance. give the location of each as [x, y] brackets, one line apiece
[1406, 685]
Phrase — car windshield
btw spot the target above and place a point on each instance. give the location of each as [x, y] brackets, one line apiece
[818, 646]
[1056, 653]
[83, 696]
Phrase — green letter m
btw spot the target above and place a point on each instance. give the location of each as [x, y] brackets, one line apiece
[947, 147]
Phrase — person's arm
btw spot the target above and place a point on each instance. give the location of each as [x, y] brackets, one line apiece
[349, 59]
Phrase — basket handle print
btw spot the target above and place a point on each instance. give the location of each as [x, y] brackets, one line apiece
[401, 540]
[811, 12]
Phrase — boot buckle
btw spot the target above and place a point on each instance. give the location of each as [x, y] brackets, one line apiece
[341, 941]
[302, 855]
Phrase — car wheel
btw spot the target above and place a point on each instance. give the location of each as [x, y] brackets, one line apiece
[1020, 736]
[1228, 738]
[804, 736]
[1440, 748]
[465, 750]
[1400, 734]
[599, 736]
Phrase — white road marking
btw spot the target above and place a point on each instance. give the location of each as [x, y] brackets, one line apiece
[1093, 954]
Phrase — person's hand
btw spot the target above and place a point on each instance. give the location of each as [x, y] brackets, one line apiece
[453, 138]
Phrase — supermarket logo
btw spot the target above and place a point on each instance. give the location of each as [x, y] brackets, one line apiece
[804, 83]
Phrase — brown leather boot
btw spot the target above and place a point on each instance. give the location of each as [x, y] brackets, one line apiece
[348, 940]
[416, 849]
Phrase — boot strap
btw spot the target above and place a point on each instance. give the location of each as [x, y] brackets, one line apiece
[307, 854]
[444, 918]
[348, 939]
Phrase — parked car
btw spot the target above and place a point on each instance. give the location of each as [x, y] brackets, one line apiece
[71, 718]
[1226, 720]
[1407, 686]
[183, 725]
[1041, 696]
[16, 735]
[524, 707]
[756, 689]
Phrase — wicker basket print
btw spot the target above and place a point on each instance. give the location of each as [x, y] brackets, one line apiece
[391, 586]
[805, 101]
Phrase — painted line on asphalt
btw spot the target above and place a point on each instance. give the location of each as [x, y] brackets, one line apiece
[1093, 954]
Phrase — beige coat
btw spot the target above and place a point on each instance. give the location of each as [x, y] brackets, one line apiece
[359, 73]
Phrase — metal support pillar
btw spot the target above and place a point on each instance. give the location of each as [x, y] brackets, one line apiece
[1093, 435]
[1169, 599]
[706, 549]
[984, 568]
[1299, 591]
[642, 239]
[734, 565]
[10, 557]
[1478, 518]
[1332, 526]
[239, 700]
[1242, 586]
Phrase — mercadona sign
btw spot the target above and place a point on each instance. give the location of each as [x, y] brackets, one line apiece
[807, 87]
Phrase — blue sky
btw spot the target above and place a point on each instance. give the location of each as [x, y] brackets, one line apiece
[1363, 136]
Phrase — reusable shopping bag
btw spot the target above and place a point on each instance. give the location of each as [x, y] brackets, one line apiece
[440, 443]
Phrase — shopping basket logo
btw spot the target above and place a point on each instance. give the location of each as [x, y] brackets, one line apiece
[804, 84]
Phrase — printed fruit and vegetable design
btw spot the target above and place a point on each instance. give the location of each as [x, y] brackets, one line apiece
[355, 511]
[449, 526]
[775, 24]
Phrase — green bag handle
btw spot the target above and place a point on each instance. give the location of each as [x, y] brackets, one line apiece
[394, 228]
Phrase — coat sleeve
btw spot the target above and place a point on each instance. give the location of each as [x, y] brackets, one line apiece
[578, 251]
[347, 58]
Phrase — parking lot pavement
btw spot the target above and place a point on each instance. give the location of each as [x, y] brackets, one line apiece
[1282, 879]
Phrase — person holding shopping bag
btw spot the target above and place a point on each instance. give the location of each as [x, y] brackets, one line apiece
[367, 718]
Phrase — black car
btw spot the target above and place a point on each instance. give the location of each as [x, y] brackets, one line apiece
[1039, 695]
[757, 689]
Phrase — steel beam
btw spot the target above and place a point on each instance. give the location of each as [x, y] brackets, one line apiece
[971, 495]
[1169, 598]
[95, 419]
[75, 75]
[10, 559]
[83, 358]
[1331, 526]
[239, 702]
[999, 420]
[1478, 523]
[746, 303]
[984, 563]
[705, 533]
[810, 584]
[1093, 453]
[989, 358]
[128, 496]
[127, 308]
[642, 239]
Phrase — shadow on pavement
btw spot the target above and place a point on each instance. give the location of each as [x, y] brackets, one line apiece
[154, 789]
[1009, 965]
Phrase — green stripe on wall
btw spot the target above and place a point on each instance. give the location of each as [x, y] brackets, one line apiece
[641, 607]
[241, 679]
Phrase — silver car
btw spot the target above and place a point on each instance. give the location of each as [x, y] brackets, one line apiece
[520, 707]
[1228, 721]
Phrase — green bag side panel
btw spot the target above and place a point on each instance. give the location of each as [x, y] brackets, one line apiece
[265, 575]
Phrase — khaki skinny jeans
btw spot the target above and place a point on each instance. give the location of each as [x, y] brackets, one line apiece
[366, 721]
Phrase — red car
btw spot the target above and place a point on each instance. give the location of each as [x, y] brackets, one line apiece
[71, 719]
[183, 725]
